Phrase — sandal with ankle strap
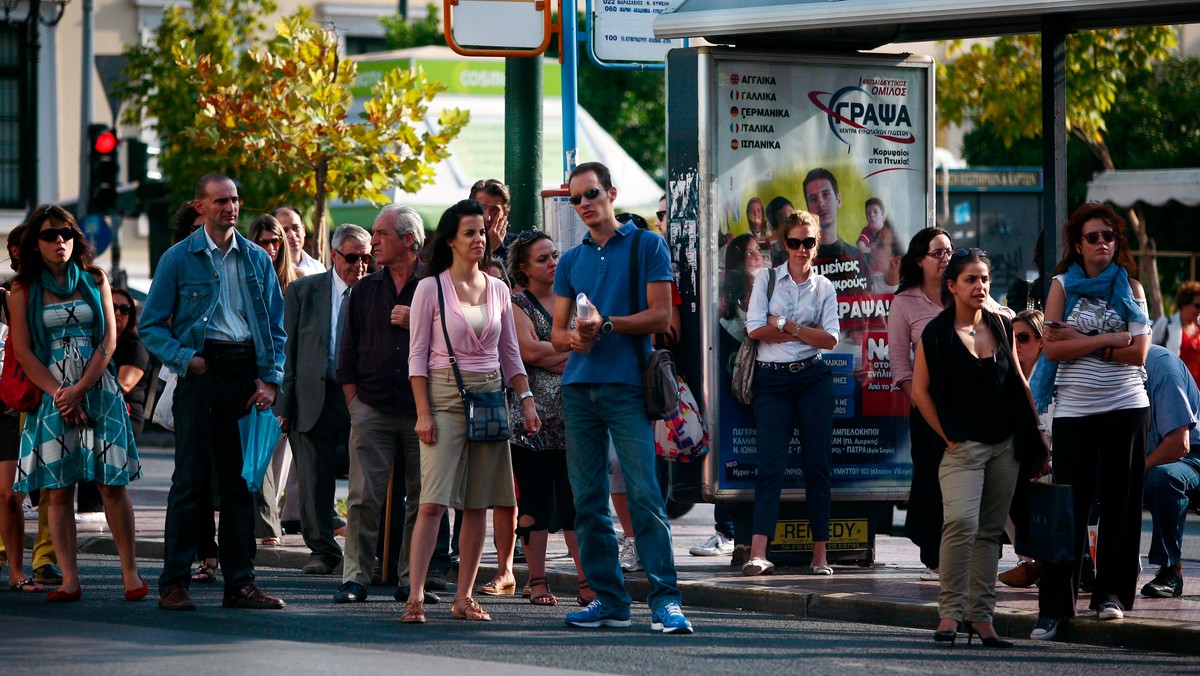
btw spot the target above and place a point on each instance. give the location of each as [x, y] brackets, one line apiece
[582, 600]
[414, 613]
[205, 572]
[546, 599]
[471, 610]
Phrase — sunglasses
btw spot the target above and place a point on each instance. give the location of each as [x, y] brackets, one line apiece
[590, 194]
[354, 258]
[51, 235]
[268, 242]
[959, 253]
[123, 308]
[1024, 337]
[660, 214]
[939, 253]
[1094, 238]
[794, 243]
[528, 235]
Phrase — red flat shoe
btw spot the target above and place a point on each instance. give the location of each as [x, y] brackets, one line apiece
[60, 596]
[139, 593]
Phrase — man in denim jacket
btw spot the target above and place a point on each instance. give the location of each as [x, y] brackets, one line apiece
[214, 316]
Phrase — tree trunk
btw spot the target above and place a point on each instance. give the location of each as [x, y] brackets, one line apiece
[320, 231]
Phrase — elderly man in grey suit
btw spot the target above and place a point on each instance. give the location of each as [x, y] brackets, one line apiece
[311, 403]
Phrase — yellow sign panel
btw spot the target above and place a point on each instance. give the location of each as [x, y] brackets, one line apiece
[844, 535]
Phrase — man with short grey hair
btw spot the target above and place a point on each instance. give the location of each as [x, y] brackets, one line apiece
[373, 373]
[318, 422]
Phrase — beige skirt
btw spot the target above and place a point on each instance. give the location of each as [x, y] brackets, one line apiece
[455, 472]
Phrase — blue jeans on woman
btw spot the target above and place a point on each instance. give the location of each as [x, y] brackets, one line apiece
[784, 402]
[593, 412]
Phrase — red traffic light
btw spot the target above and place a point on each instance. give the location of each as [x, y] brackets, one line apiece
[105, 143]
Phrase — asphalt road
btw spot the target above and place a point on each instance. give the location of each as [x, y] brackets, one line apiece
[104, 634]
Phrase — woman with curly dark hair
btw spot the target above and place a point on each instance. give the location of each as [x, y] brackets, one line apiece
[1096, 339]
[64, 335]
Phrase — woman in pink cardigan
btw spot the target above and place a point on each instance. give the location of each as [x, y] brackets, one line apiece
[467, 475]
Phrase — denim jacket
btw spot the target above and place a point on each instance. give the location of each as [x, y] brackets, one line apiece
[184, 293]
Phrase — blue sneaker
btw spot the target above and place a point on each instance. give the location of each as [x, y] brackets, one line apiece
[597, 614]
[669, 619]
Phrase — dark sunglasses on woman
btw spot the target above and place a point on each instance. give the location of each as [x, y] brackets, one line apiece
[590, 194]
[795, 243]
[1024, 337]
[1094, 238]
[959, 253]
[51, 235]
[123, 308]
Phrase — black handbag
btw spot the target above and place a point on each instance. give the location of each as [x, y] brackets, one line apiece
[486, 412]
[1050, 536]
[660, 391]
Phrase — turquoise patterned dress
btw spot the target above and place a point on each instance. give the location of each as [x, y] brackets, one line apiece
[55, 454]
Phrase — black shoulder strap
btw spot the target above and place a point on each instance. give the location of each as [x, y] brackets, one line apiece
[634, 273]
[770, 287]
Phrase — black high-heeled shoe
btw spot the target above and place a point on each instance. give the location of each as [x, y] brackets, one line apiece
[988, 642]
[948, 636]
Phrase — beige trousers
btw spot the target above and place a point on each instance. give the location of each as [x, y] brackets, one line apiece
[977, 481]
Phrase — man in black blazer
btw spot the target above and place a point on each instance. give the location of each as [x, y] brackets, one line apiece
[311, 405]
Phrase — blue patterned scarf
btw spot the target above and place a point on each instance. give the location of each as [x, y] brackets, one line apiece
[1111, 285]
[79, 280]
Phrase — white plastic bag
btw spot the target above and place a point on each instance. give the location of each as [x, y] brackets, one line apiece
[164, 416]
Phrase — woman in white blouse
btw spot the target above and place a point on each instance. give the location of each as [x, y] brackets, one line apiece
[793, 388]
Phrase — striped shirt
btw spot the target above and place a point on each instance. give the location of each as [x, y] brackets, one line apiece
[1089, 385]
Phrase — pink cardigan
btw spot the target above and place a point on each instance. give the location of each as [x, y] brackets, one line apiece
[497, 346]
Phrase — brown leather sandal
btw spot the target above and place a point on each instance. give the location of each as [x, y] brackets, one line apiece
[546, 599]
[414, 613]
[471, 610]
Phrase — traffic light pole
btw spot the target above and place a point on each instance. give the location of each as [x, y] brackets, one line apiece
[85, 108]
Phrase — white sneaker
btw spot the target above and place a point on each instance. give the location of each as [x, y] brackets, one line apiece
[31, 513]
[717, 545]
[629, 556]
[1110, 611]
[930, 575]
[89, 517]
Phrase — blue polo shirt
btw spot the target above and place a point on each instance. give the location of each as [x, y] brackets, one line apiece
[1174, 398]
[602, 273]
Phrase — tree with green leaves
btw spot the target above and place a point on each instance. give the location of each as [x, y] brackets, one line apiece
[288, 107]
[401, 33]
[160, 96]
[999, 84]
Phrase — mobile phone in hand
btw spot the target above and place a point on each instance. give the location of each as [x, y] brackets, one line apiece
[1054, 324]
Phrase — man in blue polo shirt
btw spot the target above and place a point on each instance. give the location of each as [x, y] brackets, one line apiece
[1172, 464]
[602, 397]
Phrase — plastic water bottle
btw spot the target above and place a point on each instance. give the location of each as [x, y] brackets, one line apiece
[583, 307]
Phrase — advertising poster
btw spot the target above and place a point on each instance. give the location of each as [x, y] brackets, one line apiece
[849, 141]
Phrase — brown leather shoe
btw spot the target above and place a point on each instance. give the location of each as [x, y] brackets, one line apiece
[1026, 574]
[250, 596]
[175, 597]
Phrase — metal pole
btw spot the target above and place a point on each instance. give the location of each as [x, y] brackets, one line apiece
[29, 140]
[523, 140]
[1054, 140]
[570, 84]
[85, 105]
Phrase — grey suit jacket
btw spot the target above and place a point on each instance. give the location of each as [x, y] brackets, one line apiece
[306, 318]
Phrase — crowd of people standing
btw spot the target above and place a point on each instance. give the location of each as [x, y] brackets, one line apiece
[378, 353]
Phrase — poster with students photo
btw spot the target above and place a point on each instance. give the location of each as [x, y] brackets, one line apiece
[849, 140]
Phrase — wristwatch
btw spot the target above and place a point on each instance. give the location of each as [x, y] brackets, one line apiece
[523, 396]
[605, 325]
[780, 323]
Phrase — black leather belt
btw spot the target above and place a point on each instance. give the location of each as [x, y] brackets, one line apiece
[793, 366]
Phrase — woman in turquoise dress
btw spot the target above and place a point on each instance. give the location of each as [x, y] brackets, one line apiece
[64, 333]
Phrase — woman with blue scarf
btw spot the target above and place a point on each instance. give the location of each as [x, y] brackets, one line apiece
[1096, 338]
[64, 334]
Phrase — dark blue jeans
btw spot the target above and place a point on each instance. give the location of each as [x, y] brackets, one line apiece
[786, 402]
[207, 408]
[1166, 496]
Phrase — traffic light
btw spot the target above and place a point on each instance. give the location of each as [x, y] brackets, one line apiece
[104, 168]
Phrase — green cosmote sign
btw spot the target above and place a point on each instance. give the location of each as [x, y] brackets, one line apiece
[474, 77]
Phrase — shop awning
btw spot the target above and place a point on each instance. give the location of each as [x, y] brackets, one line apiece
[1154, 187]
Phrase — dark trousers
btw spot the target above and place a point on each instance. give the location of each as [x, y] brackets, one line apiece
[207, 408]
[723, 520]
[315, 452]
[1103, 457]
[786, 402]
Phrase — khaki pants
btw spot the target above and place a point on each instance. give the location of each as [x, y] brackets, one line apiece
[977, 482]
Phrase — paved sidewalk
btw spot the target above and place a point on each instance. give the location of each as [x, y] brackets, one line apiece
[889, 592]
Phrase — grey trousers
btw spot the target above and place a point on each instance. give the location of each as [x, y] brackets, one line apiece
[977, 481]
[377, 442]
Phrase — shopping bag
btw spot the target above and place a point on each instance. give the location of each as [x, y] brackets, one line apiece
[1050, 537]
[164, 413]
[260, 432]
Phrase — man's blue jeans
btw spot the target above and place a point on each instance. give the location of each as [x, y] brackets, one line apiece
[1166, 497]
[593, 413]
